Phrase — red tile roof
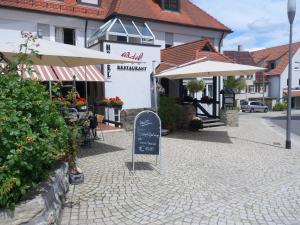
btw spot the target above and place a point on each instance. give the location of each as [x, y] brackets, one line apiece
[189, 15]
[278, 54]
[188, 52]
[241, 57]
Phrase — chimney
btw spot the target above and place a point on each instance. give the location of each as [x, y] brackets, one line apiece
[240, 48]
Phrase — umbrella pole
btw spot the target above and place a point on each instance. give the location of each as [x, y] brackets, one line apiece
[86, 86]
[50, 89]
[155, 88]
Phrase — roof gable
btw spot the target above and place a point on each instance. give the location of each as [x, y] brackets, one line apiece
[241, 57]
[279, 54]
[189, 52]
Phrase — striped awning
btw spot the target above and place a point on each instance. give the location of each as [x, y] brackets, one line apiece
[38, 72]
[56, 73]
[82, 73]
[41, 73]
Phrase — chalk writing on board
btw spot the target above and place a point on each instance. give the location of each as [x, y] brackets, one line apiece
[147, 131]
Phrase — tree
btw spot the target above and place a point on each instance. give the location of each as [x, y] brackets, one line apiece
[235, 83]
[195, 86]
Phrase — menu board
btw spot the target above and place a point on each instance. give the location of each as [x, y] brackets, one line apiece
[147, 133]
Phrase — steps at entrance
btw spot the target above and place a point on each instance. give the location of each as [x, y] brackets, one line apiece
[211, 122]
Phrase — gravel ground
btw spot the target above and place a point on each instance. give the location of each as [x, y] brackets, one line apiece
[217, 176]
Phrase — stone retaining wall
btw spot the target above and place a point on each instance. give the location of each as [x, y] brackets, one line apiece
[128, 116]
[45, 207]
[230, 117]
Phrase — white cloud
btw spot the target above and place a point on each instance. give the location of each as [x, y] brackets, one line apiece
[256, 23]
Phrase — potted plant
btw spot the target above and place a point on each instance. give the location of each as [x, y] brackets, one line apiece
[206, 100]
[103, 101]
[196, 124]
[81, 104]
[195, 86]
[116, 102]
[75, 174]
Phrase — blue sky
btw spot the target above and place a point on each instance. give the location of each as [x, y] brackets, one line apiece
[256, 23]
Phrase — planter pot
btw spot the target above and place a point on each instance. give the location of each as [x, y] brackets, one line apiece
[76, 178]
[101, 104]
[117, 107]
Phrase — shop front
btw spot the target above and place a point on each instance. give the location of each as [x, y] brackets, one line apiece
[130, 82]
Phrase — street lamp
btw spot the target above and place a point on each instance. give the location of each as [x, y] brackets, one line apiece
[291, 10]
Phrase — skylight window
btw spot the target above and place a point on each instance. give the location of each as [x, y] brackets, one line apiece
[123, 31]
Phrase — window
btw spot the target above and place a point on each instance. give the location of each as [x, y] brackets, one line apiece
[117, 115]
[169, 39]
[65, 35]
[123, 31]
[43, 31]
[296, 65]
[261, 88]
[209, 90]
[89, 2]
[252, 89]
[272, 64]
[172, 5]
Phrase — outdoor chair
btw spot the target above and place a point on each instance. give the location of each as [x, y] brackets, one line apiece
[100, 119]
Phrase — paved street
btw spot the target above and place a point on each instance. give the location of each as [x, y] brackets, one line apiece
[216, 176]
[281, 121]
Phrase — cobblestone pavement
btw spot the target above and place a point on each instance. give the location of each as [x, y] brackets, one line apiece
[217, 176]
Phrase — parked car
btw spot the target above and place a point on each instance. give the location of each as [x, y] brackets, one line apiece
[253, 106]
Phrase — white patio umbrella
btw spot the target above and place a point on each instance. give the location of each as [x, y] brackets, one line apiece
[58, 54]
[205, 68]
[208, 69]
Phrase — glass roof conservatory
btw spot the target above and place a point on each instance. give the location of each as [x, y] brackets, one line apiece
[123, 31]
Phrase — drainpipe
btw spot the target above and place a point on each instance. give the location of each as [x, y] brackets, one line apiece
[219, 78]
[85, 32]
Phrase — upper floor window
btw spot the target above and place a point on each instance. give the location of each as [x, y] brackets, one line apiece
[65, 35]
[172, 5]
[169, 39]
[272, 65]
[89, 2]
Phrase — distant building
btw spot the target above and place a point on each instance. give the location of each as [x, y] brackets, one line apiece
[254, 83]
[276, 61]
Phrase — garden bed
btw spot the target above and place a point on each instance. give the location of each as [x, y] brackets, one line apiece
[42, 207]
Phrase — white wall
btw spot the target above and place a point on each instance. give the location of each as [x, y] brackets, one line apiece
[133, 87]
[295, 73]
[14, 21]
[182, 34]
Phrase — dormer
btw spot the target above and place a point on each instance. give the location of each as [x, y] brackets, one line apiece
[170, 5]
[271, 64]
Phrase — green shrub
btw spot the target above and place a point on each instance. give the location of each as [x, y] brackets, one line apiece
[195, 86]
[170, 113]
[196, 125]
[33, 136]
[280, 106]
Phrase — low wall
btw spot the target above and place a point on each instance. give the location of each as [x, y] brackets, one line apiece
[230, 117]
[128, 116]
[44, 207]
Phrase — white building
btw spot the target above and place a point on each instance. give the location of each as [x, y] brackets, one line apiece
[276, 61]
[166, 23]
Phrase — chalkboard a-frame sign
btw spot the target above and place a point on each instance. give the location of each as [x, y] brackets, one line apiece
[146, 135]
